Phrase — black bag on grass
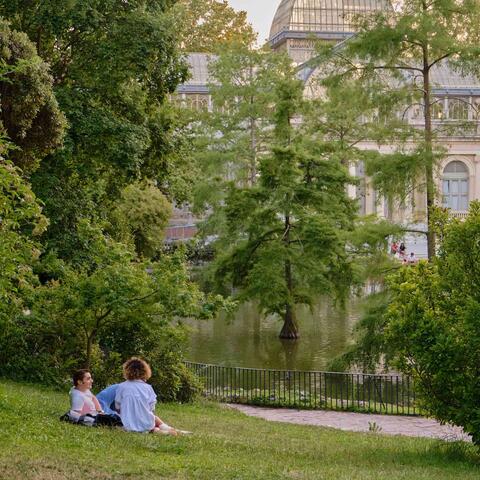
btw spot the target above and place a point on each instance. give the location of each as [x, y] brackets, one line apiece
[100, 420]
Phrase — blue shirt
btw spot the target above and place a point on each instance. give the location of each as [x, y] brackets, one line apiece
[107, 399]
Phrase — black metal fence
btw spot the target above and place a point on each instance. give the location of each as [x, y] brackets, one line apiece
[361, 392]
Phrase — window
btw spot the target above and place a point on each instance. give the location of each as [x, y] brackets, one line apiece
[438, 110]
[455, 186]
[458, 109]
[197, 102]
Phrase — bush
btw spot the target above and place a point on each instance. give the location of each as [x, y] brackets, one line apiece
[172, 381]
[433, 325]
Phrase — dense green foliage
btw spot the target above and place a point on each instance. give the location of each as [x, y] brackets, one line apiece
[100, 315]
[29, 113]
[425, 323]
[432, 325]
[21, 222]
[207, 25]
[35, 445]
[85, 292]
[113, 64]
[140, 216]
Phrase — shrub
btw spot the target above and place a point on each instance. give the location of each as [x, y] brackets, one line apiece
[433, 325]
[170, 378]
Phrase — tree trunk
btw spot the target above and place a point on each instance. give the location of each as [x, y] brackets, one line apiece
[88, 354]
[290, 328]
[253, 147]
[253, 139]
[429, 152]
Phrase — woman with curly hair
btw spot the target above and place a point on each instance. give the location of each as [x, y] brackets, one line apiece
[135, 400]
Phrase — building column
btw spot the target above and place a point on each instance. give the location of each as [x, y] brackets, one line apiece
[475, 178]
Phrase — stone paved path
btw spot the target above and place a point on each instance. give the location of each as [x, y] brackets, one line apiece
[358, 422]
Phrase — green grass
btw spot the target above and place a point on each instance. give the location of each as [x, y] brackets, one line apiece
[34, 444]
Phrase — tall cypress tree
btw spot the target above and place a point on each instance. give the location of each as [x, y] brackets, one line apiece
[285, 243]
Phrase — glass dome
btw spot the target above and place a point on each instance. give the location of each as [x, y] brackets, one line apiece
[321, 15]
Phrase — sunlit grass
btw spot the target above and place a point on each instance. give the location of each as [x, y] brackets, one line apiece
[34, 444]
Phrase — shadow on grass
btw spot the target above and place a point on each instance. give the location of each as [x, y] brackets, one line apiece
[452, 455]
[456, 451]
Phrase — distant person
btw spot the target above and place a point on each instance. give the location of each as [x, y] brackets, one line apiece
[412, 258]
[135, 400]
[394, 248]
[402, 250]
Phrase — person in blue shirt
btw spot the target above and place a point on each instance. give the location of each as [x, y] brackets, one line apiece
[107, 399]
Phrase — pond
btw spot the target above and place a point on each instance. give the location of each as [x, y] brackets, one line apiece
[248, 340]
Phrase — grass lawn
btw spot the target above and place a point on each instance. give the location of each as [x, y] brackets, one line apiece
[34, 444]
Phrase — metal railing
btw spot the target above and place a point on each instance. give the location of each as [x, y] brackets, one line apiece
[460, 215]
[360, 392]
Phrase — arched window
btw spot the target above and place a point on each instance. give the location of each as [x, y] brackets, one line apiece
[455, 186]
[458, 109]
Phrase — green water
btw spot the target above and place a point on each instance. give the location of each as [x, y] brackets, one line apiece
[248, 340]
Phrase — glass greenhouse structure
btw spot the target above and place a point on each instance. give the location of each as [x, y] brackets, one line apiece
[323, 15]
[296, 21]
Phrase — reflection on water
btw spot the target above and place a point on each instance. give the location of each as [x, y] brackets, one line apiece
[248, 340]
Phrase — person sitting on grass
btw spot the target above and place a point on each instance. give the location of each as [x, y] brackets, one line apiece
[82, 401]
[106, 398]
[135, 400]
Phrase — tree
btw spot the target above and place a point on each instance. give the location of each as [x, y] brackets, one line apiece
[141, 217]
[29, 114]
[230, 140]
[21, 220]
[409, 41]
[206, 25]
[114, 63]
[98, 312]
[345, 111]
[351, 118]
[21, 223]
[431, 324]
[285, 243]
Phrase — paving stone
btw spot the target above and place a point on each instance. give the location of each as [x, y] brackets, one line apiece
[359, 422]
